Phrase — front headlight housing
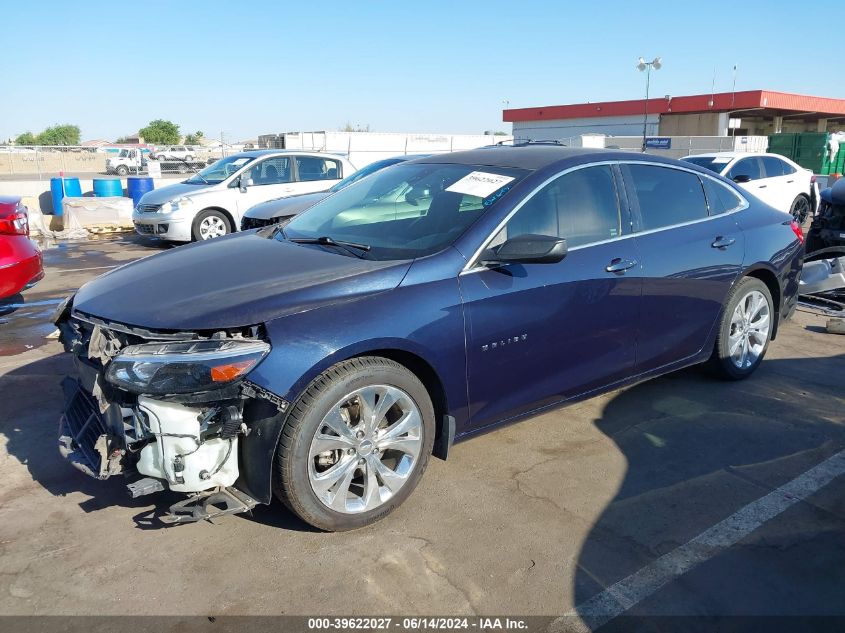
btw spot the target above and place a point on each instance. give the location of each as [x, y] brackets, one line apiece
[177, 204]
[184, 366]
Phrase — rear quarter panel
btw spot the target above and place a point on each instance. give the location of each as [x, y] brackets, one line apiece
[771, 245]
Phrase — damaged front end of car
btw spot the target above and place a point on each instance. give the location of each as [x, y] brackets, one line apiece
[168, 410]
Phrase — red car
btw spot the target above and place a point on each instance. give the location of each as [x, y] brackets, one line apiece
[20, 258]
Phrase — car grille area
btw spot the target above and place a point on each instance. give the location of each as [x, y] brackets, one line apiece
[81, 428]
[255, 223]
[149, 208]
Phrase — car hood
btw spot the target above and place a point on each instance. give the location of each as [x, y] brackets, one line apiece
[165, 194]
[233, 281]
[285, 206]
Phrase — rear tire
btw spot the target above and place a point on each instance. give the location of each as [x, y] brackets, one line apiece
[339, 468]
[744, 330]
[800, 208]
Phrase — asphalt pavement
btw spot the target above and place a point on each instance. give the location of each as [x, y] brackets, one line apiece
[682, 496]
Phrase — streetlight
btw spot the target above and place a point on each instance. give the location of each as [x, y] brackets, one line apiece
[642, 64]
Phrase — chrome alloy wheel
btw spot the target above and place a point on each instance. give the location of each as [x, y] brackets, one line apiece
[749, 329]
[365, 449]
[212, 226]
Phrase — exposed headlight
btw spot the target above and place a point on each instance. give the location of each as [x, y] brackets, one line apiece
[60, 309]
[176, 204]
[184, 367]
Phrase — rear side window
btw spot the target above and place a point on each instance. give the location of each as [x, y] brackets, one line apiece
[581, 206]
[314, 168]
[667, 196]
[773, 166]
[720, 198]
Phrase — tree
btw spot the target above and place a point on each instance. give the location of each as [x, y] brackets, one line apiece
[27, 138]
[355, 128]
[195, 138]
[161, 132]
[60, 135]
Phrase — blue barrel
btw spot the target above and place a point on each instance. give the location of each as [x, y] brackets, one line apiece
[137, 186]
[58, 189]
[107, 187]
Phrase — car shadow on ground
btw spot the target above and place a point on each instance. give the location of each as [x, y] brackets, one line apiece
[29, 423]
[699, 449]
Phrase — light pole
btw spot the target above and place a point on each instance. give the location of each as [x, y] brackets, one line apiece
[646, 66]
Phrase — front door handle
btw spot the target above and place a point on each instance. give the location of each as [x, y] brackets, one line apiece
[619, 265]
[790, 181]
[723, 242]
[762, 186]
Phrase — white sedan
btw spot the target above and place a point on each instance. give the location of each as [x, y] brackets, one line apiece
[774, 179]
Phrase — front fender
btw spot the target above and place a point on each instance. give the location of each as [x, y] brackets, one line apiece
[422, 318]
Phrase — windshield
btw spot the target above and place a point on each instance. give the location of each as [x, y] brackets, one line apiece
[365, 171]
[407, 211]
[219, 171]
[713, 163]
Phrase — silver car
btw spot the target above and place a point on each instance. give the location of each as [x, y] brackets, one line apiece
[212, 202]
[273, 211]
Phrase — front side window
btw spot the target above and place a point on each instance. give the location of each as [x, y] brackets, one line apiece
[581, 206]
[749, 167]
[667, 196]
[273, 171]
[220, 171]
[407, 211]
[314, 168]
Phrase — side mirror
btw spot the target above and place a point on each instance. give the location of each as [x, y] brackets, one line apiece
[527, 249]
[243, 183]
[742, 178]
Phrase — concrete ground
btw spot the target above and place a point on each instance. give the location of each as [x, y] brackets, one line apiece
[535, 518]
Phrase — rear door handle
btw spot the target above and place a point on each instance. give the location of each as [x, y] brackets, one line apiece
[619, 265]
[762, 186]
[790, 181]
[723, 242]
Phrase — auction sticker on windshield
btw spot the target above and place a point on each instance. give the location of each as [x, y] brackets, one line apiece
[479, 183]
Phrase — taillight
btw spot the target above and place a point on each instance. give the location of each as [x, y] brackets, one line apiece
[796, 228]
[14, 222]
[813, 179]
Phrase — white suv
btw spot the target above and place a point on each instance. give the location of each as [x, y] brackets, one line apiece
[212, 202]
[174, 152]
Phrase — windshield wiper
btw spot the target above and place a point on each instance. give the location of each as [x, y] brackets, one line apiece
[325, 240]
[194, 169]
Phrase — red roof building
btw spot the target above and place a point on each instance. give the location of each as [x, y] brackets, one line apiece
[755, 112]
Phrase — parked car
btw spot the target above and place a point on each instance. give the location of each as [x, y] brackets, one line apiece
[326, 360]
[211, 202]
[21, 264]
[173, 152]
[774, 179]
[828, 228]
[273, 211]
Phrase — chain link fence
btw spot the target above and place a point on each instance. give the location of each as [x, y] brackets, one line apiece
[43, 162]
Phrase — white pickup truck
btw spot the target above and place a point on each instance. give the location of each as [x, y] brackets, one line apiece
[135, 161]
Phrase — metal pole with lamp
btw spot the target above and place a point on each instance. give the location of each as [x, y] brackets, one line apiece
[646, 66]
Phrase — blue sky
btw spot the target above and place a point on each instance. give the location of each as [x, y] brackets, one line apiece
[423, 66]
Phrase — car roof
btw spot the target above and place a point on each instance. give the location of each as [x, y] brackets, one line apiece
[734, 155]
[256, 153]
[524, 156]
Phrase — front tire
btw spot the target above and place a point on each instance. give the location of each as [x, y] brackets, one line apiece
[744, 331]
[122, 170]
[355, 444]
[210, 224]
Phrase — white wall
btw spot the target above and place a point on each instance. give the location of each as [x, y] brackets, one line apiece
[563, 129]
[362, 148]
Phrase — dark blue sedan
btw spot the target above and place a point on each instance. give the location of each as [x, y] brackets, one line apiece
[325, 360]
